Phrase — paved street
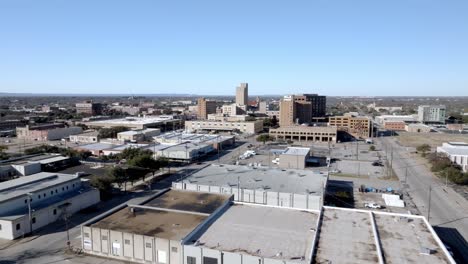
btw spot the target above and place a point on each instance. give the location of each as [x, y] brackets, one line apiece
[448, 210]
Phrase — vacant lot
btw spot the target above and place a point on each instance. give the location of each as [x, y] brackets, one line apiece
[432, 139]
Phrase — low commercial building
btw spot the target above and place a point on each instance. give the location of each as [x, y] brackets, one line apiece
[139, 135]
[359, 236]
[217, 141]
[357, 126]
[12, 124]
[305, 133]
[185, 152]
[87, 137]
[253, 234]
[395, 118]
[31, 202]
[294, 158]
[162, 122]
[269, 186]
[46, 132]
[394, 125]
[457, 152]
[417, 128]
[247, 127]
[155, 230]
[108, 148]
[32, 164]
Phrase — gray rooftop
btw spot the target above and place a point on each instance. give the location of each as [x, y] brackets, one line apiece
[32, 183]
[269, 232]
[347, 236]
[270, 179]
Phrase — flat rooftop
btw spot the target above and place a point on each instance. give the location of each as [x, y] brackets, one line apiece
[32, 183]
[347, 236]
[261, 178]
[172, 215]
[269, 232]
[151, 222]
[295, 151]
[134, 120]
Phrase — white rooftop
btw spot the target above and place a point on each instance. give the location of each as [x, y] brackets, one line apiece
[261, 178]
[454, 148]
[32, 183]
[135, 120]
[296, 151]
[269, 232]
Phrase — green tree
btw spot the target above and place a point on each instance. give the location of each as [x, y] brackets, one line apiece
[119, 176]
[103, 184]
[372, 148]
[424, 148]
[264, 138]
[3, 155]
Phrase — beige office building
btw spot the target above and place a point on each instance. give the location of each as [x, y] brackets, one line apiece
[357, 126]
[305, 133]
[248, 127]
[242, 94]
[205, 108]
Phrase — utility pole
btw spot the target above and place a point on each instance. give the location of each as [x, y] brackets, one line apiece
[390, 172]
[429, 205]
[406, 175]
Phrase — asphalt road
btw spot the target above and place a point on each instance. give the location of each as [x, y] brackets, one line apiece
[448, 211]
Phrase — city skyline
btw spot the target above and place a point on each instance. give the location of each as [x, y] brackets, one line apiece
[331, 48]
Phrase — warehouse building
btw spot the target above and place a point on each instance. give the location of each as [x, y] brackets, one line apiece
[46, 132]
[138, 135]
[253, 234]
[457, 152]
[270, 186]
[155, 230]
[32, 164]
[182, 137]
[185, 152]
[365, 237]
[162, 122]
[31, 202]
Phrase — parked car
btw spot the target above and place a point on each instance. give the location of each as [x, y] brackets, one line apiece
[377, 163]
[275, 161]
[372, 205]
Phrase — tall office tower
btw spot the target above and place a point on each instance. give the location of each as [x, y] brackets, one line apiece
[242, 94]
[287, 111]
[299, 109]
[205, 108]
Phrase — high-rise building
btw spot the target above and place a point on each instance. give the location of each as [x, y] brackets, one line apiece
[299, 109]
[242, 94]
[431, 113]
[205, 108]
[89, 108]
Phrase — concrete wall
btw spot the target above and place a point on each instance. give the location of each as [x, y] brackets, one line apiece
[130, 247]
[224, 257]
[27, 168]
[302, 201]
[60, 133]
[292, 161]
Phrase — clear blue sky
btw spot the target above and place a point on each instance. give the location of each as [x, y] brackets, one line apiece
[331, 47]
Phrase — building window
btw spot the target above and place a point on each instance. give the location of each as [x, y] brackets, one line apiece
[191, 260]
[208, 260]
[33, 220]
[51, 192]
[63, 188]
[26, 201]
[174, 249]
[0, 227]
[104, 237]
[44, 195]
[73, 185]
[55, 211]
[18, 226]
[39, 196]
[67, 187]
[148, 245]
[127, 241]
[86, 235]
[56, 191]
